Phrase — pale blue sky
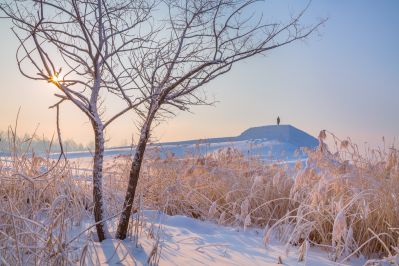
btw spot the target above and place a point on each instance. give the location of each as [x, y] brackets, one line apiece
[346, 81]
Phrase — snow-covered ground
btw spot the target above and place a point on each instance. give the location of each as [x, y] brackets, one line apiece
[186, 241]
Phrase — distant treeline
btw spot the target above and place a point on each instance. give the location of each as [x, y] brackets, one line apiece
[38, 144]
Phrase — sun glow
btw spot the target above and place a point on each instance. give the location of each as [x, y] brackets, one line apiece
[54, 79]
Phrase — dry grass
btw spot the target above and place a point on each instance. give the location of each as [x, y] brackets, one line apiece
[46, 208]
[344, 202]
[37, 210]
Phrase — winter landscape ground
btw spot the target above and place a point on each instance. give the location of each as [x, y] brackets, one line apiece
[220, 202]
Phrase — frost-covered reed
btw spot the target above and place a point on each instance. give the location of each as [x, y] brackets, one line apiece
[343, 201]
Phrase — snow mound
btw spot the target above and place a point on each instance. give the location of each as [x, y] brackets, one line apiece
[282, 133]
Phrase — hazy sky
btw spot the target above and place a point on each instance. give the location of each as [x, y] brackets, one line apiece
[346, 80]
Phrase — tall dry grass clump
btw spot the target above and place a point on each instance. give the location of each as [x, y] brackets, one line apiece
[348, 201]
[40, 202]
[345, 202]
[224, 187]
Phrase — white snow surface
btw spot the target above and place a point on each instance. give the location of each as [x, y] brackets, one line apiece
[186, 241]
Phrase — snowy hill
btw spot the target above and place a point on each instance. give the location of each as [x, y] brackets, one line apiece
[270, 142]
[282, 133]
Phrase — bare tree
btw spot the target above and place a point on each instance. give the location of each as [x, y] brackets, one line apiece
[200, 41]
[82, 47]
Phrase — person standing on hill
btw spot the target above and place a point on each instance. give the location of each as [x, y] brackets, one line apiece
[278, 120]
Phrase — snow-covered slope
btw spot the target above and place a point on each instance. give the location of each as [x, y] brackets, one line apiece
[185, 241]
[268, 142]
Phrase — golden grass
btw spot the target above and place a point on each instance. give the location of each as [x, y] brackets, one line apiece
[344, 202]
[36, 211]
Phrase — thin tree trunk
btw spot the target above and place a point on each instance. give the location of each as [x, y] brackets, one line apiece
[97, 181]
[133, 180]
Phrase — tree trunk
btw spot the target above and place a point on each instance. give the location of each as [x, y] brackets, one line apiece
[97, 181]
[133, 180]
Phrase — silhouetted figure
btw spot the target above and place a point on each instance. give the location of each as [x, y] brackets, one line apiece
[278, 120]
